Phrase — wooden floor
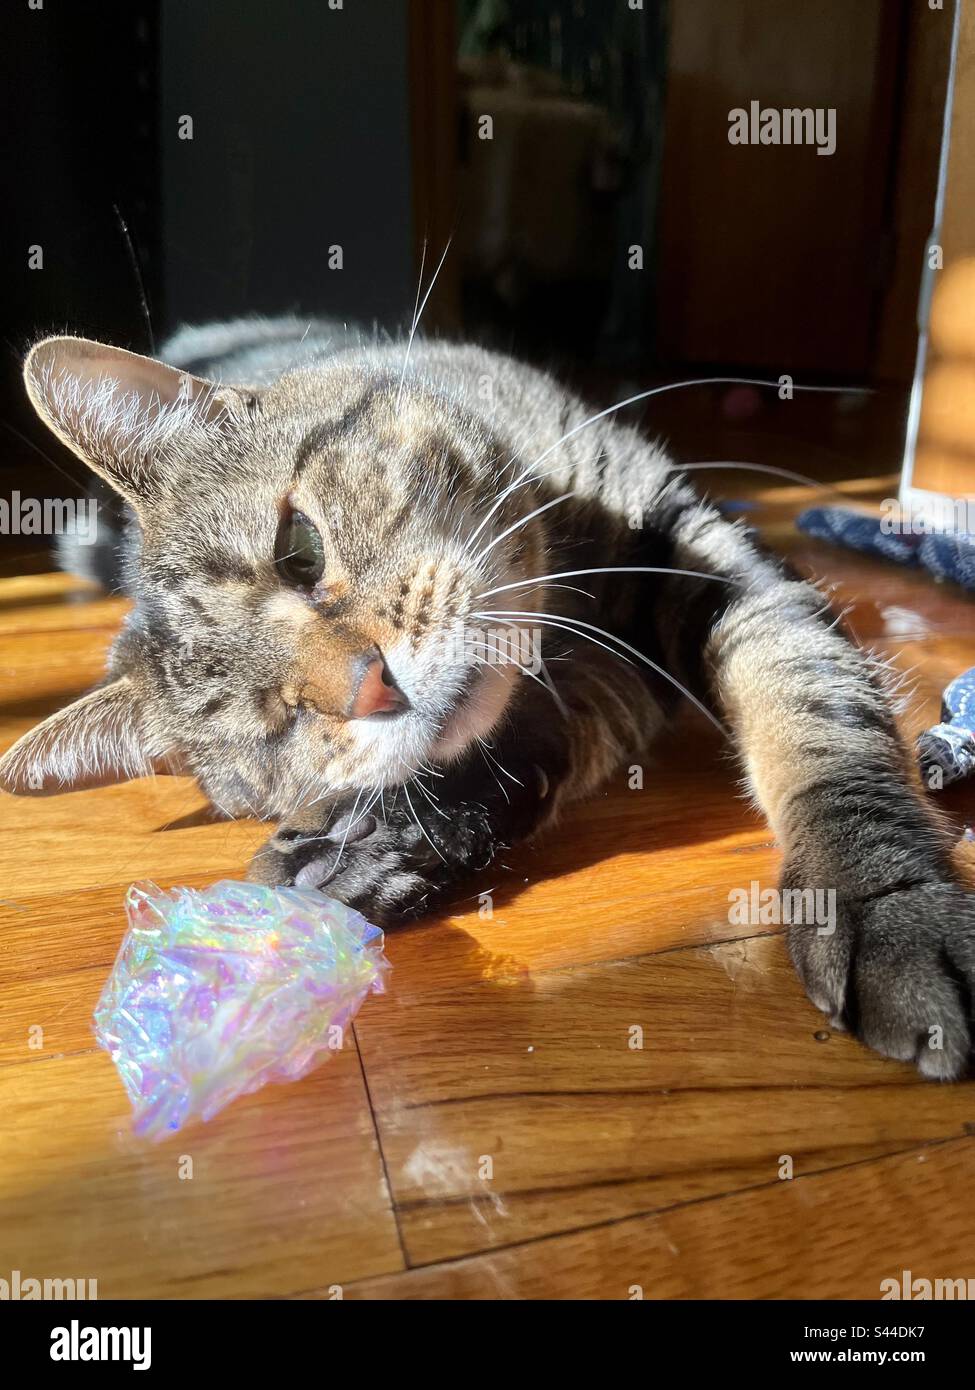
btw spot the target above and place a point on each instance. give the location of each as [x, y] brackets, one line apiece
[503, 1047]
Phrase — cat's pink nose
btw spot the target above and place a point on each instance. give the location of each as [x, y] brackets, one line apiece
[377, 692]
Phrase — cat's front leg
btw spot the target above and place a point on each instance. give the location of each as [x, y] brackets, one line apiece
[885, 938]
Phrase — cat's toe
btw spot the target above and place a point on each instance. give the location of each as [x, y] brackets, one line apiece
[822, 962]
[308, 856]
[914, 978]
[316, 872]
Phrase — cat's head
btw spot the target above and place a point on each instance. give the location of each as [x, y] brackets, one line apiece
[303, 575]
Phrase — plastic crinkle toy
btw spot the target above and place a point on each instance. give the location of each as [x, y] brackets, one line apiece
[216, 992]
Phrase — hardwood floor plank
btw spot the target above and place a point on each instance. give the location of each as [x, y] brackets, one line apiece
[539, 1079]
[835, 1235]
[53, 620]
[39, 674]
[284, 1182]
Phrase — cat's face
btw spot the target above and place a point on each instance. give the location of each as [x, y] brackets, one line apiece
[305, 580]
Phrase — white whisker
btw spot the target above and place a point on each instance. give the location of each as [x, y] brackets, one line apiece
[432, 799]
[491, 666]
[490, 769]
[529, 473]
[567, 624]
[550, 686]
[352, 821]
[419, 827]
[418, 313]
[522, 522]
[498, 763]
[606, 569]
[680, 385]
[758, 468]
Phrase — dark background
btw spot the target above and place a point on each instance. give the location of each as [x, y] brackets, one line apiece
[358, 127]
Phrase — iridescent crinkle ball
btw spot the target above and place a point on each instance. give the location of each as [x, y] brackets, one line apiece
[217, 991]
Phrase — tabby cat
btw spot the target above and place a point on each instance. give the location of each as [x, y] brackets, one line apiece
[302, 525]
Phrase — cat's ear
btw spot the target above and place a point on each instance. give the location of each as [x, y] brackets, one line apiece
[96, 740]
[122, 413]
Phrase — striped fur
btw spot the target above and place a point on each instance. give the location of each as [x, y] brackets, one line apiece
[441, 493]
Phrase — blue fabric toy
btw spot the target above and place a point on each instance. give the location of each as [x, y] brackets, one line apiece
[946, 555]
[947, 752]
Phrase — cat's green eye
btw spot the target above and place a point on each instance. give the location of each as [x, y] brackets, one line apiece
[299, 553]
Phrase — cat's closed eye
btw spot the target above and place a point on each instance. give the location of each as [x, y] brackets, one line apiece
[299, 553]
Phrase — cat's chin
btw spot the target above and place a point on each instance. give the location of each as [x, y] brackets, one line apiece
[477, 713]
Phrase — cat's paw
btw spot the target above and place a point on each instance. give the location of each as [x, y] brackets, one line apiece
[899, 971]
[389, 867]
